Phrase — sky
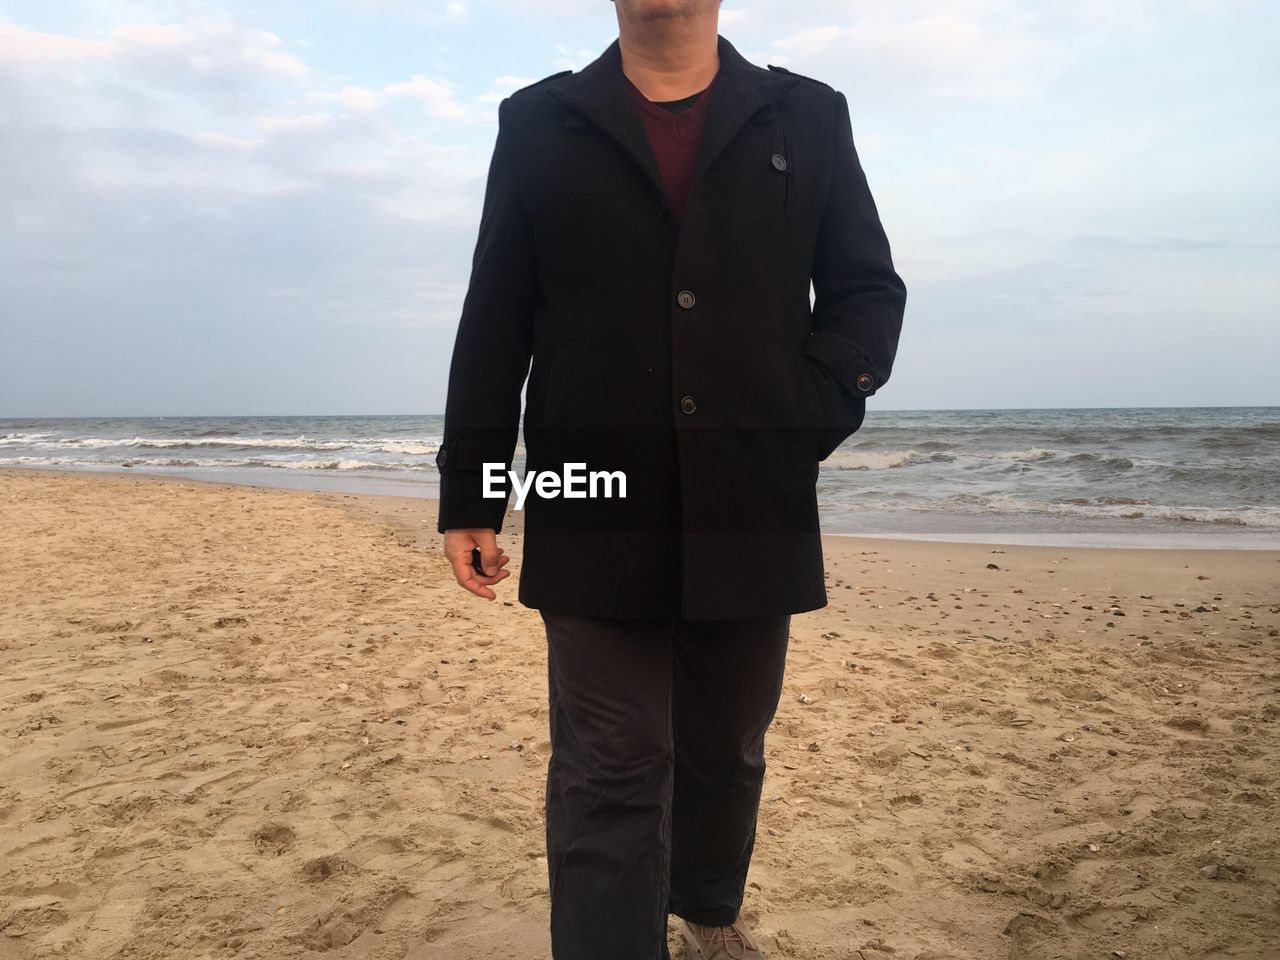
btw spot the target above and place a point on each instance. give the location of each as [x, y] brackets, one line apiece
[270, 208]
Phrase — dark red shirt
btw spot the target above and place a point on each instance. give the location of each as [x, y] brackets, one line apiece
[674, 127]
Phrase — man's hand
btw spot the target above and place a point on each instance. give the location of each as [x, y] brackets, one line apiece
[458, 545]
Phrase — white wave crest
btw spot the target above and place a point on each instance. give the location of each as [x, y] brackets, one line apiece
[881, 460]
[1035, 453]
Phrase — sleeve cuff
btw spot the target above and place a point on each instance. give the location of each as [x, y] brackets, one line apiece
[463, 504]
[846, 362]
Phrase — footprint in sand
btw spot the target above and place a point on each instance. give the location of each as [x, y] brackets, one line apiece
[273, 839]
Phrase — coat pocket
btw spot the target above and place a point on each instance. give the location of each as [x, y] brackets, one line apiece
[812, 421]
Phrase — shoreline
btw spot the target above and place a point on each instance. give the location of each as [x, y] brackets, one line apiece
[1085, 541]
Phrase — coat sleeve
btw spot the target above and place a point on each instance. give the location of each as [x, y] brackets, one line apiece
[492, 349]
[859, 299]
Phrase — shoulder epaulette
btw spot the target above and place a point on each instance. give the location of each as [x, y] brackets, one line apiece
[777, 69]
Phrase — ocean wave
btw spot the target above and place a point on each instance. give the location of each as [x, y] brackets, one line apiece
[421, 448]
[216, 432]
[1246, 438]
[43, 462]
[1023, 456]
[1106, 501]
[864, 459]
[1123, 508]
[347, 465]
[1104, 459]
[181, 443]
[222, 462]
[418, 447]
[887, 460]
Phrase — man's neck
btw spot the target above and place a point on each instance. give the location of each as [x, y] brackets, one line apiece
[671, 64]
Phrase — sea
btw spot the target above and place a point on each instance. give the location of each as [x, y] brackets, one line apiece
[1199, 477]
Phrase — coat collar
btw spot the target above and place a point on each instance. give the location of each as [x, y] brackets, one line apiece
[741, 91]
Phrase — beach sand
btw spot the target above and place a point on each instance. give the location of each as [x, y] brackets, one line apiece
[262, 723]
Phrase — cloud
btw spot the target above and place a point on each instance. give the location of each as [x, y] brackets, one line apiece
[204, 46]
[18, 45]
[895, 54]
[437, 98]
[199, 183]
[434, 12]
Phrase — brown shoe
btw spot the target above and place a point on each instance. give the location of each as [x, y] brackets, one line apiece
[721, 943]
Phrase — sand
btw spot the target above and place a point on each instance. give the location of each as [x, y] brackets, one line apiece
[262, 723]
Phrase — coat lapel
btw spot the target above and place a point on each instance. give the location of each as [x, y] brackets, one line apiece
[741, 89]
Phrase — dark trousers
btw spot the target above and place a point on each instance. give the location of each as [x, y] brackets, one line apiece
[654, 782]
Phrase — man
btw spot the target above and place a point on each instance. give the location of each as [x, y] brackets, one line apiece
[651, 227]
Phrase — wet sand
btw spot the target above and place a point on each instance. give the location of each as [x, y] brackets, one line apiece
[248, 722]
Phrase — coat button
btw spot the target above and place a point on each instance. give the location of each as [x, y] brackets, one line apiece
[442, 457]
[685, 299]
[688, 404]
[779, 161]
[865, 382]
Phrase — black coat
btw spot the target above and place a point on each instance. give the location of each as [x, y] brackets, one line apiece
[685, 354]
